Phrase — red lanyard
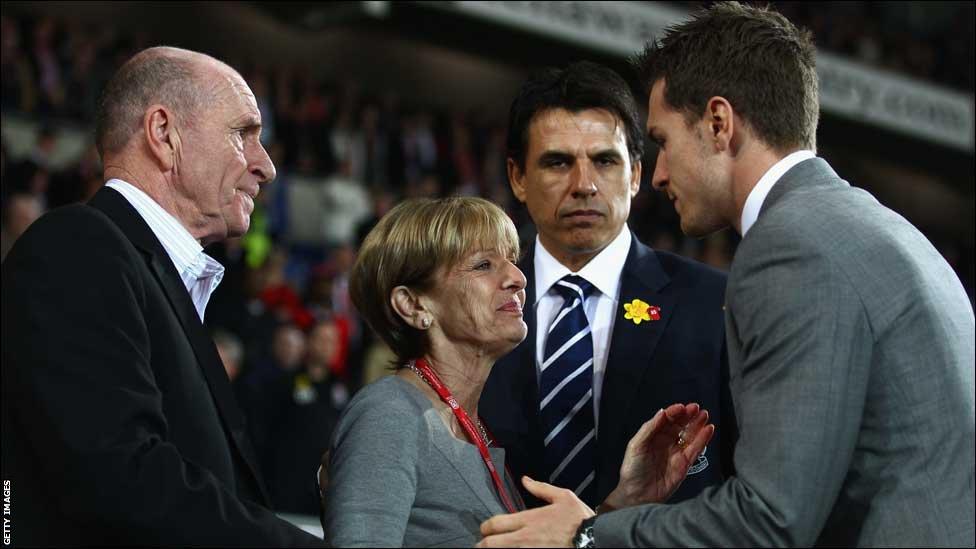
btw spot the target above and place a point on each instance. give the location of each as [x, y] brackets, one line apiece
[427, 374]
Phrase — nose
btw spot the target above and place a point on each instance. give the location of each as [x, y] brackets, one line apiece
[261, 165]
[583, 183]
[514, 278]
[660, 178]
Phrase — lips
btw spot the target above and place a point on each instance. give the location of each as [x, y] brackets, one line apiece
[252, 192]
[512, 306]
[583, 215]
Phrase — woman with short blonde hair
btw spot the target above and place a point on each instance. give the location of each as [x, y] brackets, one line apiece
[410, 463]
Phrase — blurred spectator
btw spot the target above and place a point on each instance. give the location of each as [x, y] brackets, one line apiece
[383, 200]
[19, 211]
[231, 353]
[305, 408]
[44, 146]
[419, 146]
[279, 297]
[345, 203]
[19, 86]
[48, 67]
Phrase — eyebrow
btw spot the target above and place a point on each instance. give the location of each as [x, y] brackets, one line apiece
[606, 153]
[248, 122]
[549, 156]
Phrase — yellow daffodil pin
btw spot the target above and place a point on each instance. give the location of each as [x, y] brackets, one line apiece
[638, 311]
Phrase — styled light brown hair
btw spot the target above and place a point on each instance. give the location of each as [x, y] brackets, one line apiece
[754, 57]
[413, 243]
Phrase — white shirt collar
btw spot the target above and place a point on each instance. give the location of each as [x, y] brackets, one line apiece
[754, 202]
[603, 271]
[200, 273]
[178, 241]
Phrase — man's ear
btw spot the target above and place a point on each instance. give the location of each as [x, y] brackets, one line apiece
[635, 178]
[516, 178]
[720, 122]
[409, 305]
[162, 137]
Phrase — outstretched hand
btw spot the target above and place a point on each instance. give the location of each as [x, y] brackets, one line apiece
[551, 526]
[659, 455]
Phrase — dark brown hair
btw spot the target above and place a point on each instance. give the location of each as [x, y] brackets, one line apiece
[580, 86]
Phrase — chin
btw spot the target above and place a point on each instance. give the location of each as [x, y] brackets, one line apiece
[234, 231]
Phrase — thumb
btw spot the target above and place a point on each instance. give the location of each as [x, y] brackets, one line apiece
[541, 490]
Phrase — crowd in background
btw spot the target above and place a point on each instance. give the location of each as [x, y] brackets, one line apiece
[282, 319]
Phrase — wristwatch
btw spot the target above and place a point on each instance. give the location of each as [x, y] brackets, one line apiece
[584, 534]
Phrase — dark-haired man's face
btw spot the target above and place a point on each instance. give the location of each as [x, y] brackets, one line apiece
[577, 183]
[685, 169]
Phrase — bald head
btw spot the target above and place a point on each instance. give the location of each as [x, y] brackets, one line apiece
[173, 77]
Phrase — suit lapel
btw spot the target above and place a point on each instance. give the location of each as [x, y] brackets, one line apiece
[125, 216]
[631, 344]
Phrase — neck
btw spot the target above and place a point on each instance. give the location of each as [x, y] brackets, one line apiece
[463, 373]
[574, 261]
[746, 174]
[465, 378]
[156, 188]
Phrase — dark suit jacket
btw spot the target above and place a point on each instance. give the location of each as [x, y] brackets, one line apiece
[119, 424]
[679, 358]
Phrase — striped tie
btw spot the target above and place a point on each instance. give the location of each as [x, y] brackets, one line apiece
[566, 393]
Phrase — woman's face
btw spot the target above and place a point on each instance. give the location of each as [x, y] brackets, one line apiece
[478, 304]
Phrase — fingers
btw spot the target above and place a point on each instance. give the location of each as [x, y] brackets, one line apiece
[647, 430]
[501, 524]
[545, 492]
[698, 444]
[503, 540]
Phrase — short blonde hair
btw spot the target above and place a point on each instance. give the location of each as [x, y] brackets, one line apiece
[409, 246]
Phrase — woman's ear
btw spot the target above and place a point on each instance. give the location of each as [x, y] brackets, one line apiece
[410, 307]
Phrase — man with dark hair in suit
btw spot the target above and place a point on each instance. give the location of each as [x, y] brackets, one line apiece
[851, 340]
[565, 402]
[119, 423]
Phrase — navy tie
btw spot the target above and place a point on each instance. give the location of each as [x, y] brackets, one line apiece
[566, 393]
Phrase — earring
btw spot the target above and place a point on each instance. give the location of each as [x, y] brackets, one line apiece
[425, 322]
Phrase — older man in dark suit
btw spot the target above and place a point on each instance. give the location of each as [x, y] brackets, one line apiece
[119, 424]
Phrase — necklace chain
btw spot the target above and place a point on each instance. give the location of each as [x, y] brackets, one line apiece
[481, 427]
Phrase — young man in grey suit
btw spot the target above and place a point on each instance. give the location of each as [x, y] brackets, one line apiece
[851, 340]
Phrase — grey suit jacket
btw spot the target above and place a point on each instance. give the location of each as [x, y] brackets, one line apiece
[851, 345]
[398, 477]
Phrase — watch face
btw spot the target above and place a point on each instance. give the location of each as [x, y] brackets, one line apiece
[584, 536]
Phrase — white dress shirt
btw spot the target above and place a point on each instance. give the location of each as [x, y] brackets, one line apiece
[200, 273]
[754, 202]
[603, 271]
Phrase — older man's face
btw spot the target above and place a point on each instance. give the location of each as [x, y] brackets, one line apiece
[223, 162]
